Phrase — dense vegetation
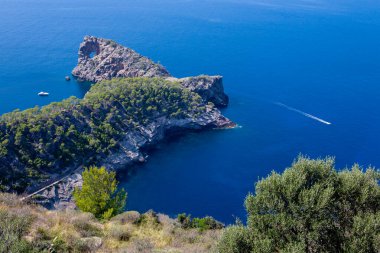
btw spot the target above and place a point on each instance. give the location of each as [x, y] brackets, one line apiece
[99, 194]
[38, 142]
[311, 207]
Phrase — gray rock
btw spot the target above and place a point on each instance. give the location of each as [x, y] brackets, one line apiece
[60, 195]
[103, 59]
[92, 243]
[210, 88]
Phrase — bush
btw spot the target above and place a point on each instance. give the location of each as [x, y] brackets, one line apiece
[205, 223]
[83, 225]
[130, 217]
[311, 207]
[185, 220]
[120, 232]
[12, 228]
[149, 218]
[99, 194]
[235, 239]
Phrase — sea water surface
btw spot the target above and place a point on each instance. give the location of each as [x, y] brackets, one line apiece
[302, 76]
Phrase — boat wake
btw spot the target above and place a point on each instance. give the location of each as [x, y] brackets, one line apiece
[303, 113]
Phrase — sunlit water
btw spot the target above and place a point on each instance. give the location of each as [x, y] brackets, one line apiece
[321, 58]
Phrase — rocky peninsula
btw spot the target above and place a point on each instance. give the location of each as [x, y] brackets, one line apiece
[134, 104]
[103, 59]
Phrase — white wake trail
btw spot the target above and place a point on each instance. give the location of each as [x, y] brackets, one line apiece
[303, 113]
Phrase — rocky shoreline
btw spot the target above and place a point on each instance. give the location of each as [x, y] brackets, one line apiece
[59, 196]
[101, 59]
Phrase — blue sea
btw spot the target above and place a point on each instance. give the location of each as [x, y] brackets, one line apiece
[289, 66]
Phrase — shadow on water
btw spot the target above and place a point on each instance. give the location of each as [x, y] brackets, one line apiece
[164, 146]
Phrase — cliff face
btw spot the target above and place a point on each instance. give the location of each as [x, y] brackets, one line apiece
[102, 59]
[210, 88]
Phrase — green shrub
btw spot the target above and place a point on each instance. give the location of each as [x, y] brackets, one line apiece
[205, 223]
[184, 220]
[149, 218]
[235, 239]
[99, 194]
[311, 207]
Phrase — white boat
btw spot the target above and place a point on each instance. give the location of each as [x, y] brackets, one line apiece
[42, 93]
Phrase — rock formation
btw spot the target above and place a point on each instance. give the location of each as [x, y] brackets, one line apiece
[210, 88]
[103, 59]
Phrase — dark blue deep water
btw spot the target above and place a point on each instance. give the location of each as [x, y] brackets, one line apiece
[319, 56]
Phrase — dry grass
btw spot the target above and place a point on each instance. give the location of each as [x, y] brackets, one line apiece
[74, 231]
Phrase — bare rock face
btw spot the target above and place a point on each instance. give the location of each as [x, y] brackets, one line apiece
[102, 59]
[210, 88]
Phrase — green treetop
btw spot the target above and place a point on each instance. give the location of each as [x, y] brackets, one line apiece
[311, 207]
[99, 194]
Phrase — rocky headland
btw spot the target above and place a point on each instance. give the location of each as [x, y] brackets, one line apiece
[103, 59]
[111, 126]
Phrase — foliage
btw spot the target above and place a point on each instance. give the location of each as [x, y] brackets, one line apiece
[12, 229]
[202, 224]
[311, 207]
[35, 229]
[235, 239]
[99, 194]
[78, 132]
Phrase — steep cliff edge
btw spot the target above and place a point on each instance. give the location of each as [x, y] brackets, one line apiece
[103, 59]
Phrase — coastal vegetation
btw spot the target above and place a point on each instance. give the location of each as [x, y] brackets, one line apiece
[310, 207]
[38, 142]
[99, 194]
[26, 228]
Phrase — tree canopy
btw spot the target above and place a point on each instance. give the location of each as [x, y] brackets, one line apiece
[37, 142]
[99, 194]
[311, 207]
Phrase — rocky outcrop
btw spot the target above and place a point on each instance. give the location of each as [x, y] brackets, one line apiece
[210, 88]
[102, 59]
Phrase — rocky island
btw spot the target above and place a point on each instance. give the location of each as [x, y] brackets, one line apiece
[134, 104]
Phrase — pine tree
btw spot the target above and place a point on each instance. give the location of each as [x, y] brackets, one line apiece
[99, 194]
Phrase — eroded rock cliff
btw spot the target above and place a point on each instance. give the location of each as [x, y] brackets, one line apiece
[103, 59]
